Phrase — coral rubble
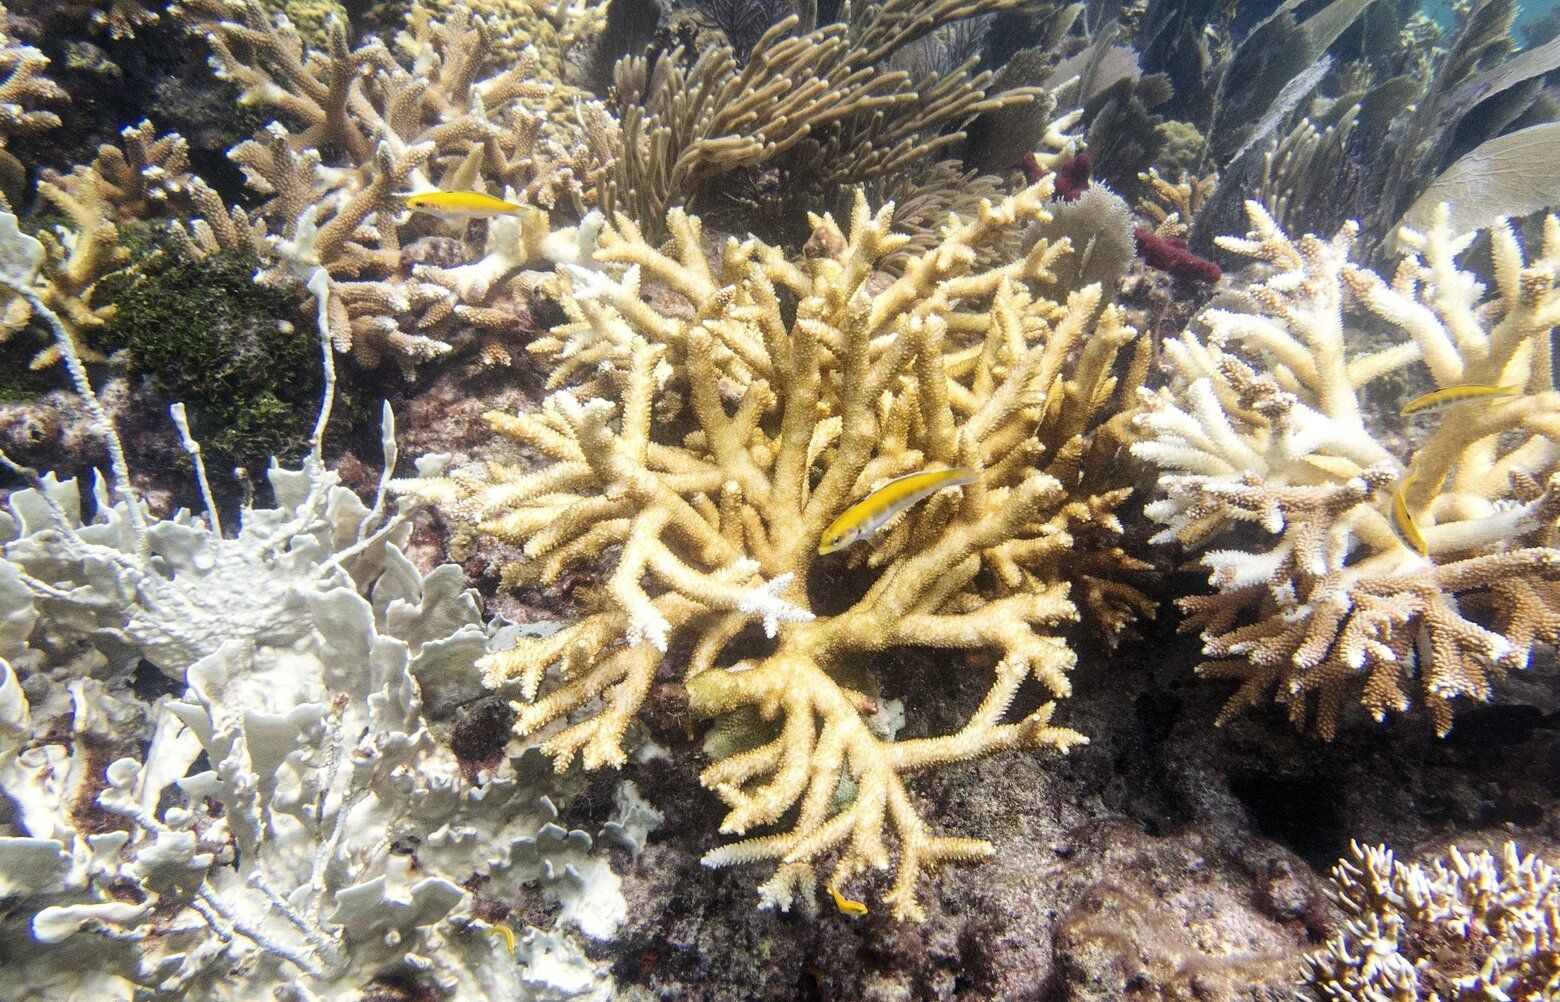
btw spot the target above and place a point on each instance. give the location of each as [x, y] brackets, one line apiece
[1264, 430]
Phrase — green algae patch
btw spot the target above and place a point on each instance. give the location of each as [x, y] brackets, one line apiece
[206, 333]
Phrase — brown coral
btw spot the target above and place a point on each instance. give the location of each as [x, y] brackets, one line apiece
[361, 127]
[819, 106]
[1471, 925]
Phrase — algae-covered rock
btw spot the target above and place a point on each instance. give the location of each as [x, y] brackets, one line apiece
[208, 335]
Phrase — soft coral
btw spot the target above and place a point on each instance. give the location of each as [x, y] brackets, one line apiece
[1170, 255]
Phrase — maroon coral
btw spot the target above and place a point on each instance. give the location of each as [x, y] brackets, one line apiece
[1072, 174]
[1030, 165]
[1072, 177]
[1170, 255]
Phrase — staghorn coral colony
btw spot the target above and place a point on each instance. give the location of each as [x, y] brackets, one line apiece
[1231, 321]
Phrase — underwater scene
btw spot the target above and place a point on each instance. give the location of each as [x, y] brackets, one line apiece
[510, 500]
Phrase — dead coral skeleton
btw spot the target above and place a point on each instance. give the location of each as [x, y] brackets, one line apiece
[785, 420]
[1471, 925]
[1265, 426]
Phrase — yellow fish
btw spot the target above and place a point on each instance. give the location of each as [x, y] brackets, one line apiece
[1449, 395]
[504, 933]
[460, 204]
[1404, 522]
[855, 909]
[872, 512]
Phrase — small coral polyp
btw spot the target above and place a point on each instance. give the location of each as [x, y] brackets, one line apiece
[723, 421]
[1265, 425]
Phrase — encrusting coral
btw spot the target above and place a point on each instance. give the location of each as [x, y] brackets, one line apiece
[1264, 428]
[1473, 925]
[725, 421]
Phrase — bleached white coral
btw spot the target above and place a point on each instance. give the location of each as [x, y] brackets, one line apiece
[298, 824]
[1474, 925]
[1412, 580]
[326, 844]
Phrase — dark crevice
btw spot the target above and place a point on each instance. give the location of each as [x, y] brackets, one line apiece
[1300, 813]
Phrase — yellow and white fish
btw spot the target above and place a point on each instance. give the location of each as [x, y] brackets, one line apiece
[460, 204]
[872, 512]
[1403, 520]
[1461, 393]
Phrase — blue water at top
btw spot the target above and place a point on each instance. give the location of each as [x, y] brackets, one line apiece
[1527, 10]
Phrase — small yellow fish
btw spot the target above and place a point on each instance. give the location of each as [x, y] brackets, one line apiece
[1461, 393]
[855, 909]
[506, 934]
[1404, 522]
[872, 512]
[1343, 469]
[460, 204]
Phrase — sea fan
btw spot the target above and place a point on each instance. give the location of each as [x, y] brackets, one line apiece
[744, 22]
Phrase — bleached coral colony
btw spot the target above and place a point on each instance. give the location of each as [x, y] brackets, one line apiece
[761, 258]
[1264, 424]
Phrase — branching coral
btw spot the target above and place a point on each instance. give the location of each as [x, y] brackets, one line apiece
[1173, 207]
[1474, 925]
[142, 179]
[561, 31]
[1265, 427]
[722, 430]
[434, 111]
[25, 94]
